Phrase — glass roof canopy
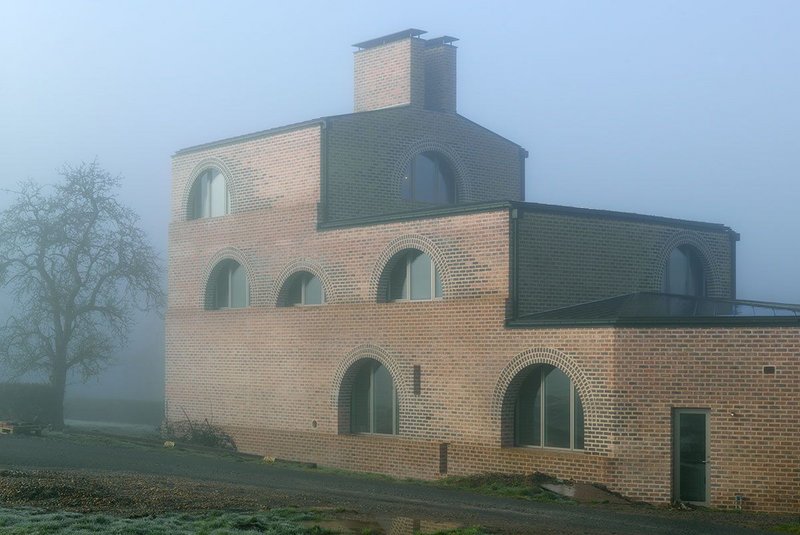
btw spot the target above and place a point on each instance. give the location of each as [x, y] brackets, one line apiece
[653, 309]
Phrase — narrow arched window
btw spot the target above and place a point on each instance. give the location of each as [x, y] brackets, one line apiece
[414, 277]
[373, 402]
[549, 412]
[209, 195]
[429, 179]
[228, 286]
[303, 288]
[684, 272]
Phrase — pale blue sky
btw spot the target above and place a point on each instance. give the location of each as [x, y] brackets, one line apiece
[684, 109]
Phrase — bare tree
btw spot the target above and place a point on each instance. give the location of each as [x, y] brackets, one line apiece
[78, 267]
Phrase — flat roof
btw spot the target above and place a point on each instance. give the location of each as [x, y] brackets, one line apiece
[652, 309]
[411, 32]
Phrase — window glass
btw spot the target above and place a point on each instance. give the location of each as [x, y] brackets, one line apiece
[294, 295]
[303, 289]
[373, 406]
[414, 276]
[556, 409]
[218, 193]
[684, 273]
[312, 294]
[429, 179]
[426, 178]
[209, 195]
[398, 289]
[360, 401]
[382, 400]
[230, 286]
[238, 289]
[420, 276]
[529, 411]
[223, 288]
[548, 410]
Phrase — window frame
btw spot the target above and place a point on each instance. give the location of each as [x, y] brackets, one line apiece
[696, 269]
[373, 365]
[573, 396]
[405, 258]
[443, 168]
[224, 270]
[303, 278]
[202, 182]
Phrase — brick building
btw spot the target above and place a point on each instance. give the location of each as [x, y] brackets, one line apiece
[369, 291]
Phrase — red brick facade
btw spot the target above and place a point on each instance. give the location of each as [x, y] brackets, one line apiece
[279, 378]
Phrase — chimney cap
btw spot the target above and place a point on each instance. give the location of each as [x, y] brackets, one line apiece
[411, 32]
[439, 41]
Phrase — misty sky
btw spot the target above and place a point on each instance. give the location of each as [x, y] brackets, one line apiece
[683, 109]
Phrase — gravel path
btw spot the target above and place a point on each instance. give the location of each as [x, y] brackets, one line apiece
[110, 474]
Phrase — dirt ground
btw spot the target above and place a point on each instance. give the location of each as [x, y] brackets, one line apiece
[99, 474]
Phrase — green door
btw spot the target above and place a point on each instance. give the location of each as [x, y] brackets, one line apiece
[690, 455]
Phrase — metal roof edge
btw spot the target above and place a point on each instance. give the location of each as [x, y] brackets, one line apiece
[425, 213]
[251, 136]
[624, 216]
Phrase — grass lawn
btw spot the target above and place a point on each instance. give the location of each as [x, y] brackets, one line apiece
[31, 521]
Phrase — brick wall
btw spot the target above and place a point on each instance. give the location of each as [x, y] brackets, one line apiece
[440, 78]
[281, 168]
[367, 156]
[754, 418]
[388, 75]
[568, 258]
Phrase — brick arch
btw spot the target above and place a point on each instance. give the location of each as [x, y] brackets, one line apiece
[201, 166]
[379, 280]
[342, 384]
[711, 271]
[462, 179]
[209, 270]
[279, 288]
[511, 378]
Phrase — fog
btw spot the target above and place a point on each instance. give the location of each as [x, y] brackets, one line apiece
[680, 109]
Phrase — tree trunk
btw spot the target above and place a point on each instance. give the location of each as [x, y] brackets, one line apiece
[58, 380]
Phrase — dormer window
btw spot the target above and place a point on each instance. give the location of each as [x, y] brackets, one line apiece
[684, 272]
[209, 195]
[429, 179]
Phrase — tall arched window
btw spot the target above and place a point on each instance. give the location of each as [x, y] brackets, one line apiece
[228, 286]
[684, 273]
[373, 402]
[414, 277]
[209, 195]
[302, 288]
[429, 179]
[549, 412]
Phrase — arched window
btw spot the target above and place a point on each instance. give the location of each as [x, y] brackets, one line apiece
[429, 179]
[373, 403]
[228, 286]
[684, 272]
[209, 195]
[414, 277]
[549, 412]
[302, 288]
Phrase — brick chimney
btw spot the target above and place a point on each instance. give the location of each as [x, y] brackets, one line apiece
[402, 69]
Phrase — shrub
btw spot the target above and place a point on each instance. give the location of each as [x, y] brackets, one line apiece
[198, 433]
